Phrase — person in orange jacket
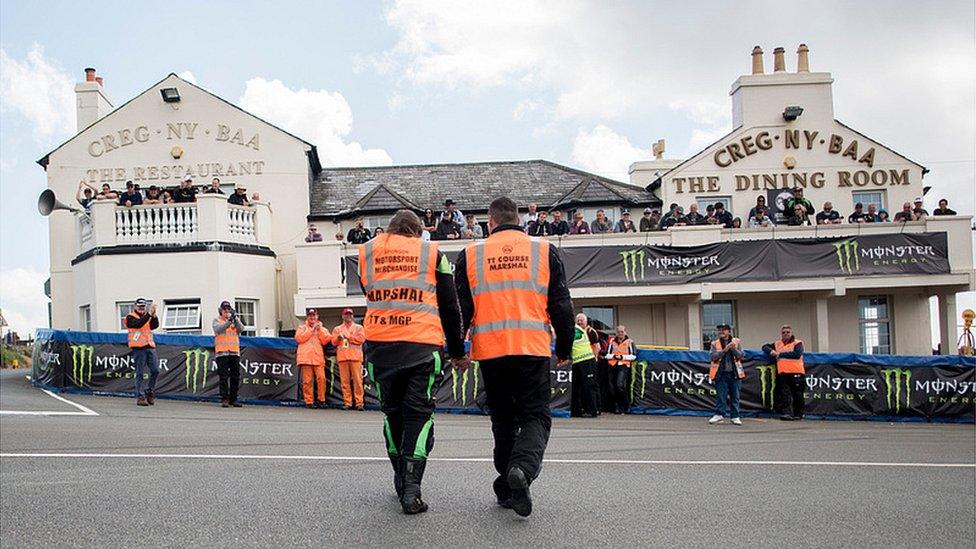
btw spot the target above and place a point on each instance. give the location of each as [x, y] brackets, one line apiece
[311, 336]
[348, 339]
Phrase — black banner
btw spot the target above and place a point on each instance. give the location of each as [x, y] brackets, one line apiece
[837, 385]
[751, 260]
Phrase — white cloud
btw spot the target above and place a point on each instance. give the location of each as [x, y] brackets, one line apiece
[22, 299]
[604, 152]
[40, 91]
[395, 102]
[321, 117]
[188, 76]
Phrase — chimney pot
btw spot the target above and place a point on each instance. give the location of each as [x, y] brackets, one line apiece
[803, 59]
[89, 74]
[757, 60]
[101, 82]
[779, 63]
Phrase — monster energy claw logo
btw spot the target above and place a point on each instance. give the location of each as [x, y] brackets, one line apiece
[847, 256]
[197, 364]
[633, 259]
[893, 380]
[82, 358]
[767, 381]
[464, 383]
[633, 379]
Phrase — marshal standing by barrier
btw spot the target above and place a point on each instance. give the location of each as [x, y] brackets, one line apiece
[934, 388]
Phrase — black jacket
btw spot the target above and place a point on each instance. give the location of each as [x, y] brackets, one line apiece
[141, 321]
[559, 305]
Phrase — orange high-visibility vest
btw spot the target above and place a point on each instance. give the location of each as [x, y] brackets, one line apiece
[229, 341]
[788, 365]
[399, 274]
[624, 349]
[350, 347]
[509, 279]
[713, 367]
[140, 337]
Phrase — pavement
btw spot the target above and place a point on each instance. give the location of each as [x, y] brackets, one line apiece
[192, 473]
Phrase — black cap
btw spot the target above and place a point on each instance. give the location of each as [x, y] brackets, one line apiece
[225, 305]
[449, 202]
[723, 327]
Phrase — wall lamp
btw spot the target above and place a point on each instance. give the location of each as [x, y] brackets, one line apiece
[172, 95]
[790, 114]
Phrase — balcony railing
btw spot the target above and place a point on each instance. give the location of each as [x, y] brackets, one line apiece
[210, 219]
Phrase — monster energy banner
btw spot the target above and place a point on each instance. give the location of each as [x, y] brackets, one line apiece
[838, 385]
[750, 260]
[101, 362]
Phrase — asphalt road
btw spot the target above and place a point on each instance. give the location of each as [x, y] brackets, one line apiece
[610, 482]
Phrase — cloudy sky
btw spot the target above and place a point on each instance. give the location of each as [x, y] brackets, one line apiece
[588, 84]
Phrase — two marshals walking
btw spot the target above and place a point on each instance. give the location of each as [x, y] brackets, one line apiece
[511, 293]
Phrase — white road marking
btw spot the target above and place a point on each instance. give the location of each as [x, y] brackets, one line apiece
[84, 411]
[488, 460]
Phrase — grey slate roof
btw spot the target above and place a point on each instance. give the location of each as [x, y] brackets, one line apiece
[347, 192]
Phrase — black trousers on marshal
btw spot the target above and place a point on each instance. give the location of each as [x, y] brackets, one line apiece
[406, 395]
[585, 394]
[229, 375]
[620, 385]
[518, 394]
[788, 395]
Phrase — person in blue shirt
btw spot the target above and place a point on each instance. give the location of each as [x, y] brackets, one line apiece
[131, 197]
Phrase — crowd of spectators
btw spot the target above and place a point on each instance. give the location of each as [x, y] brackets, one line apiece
[136, 196]
[451, 224]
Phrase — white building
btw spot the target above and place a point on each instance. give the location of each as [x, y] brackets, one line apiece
[189, 257]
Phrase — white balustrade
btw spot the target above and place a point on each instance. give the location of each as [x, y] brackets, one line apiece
[157, 223]
[240, 223]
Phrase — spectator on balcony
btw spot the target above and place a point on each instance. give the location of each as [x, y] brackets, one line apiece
[871, 216]
[456, 216]
[760, 203]
[531, 216]
[943, 208]
[214, 187]
[378, 231]
[601, 225]
[579, 226]
[905, 214]
[710, 218]
[625, 225]
[737, 223]
[798, 199]
[919, 210]
[672, 213]
[760, 218]
[239, 198]
[107, 193]
[539, 226]
[674, 219]
[650, 220]
[89, 192]
[153, 196]
[724, 217]
[471, 228]
[883, 216]
[693, 217]
[131, 197]
[447, 229]
[559, 225]
[429, 221]
[186, 192]
[313, 234]
[828, 216]
[358, 234]
[858, 215]
[167, 197]
[799, 216]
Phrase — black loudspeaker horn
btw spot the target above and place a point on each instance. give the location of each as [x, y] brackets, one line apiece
[47, 203]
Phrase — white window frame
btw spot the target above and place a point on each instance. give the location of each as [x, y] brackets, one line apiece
[709, 331]
[249, 329]
[373, 221]
[704, 201]
[192, 325]
[856, 197]
[613, 314]
[122, 309]
[589, 214]
[864, 324]
[85, 318]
